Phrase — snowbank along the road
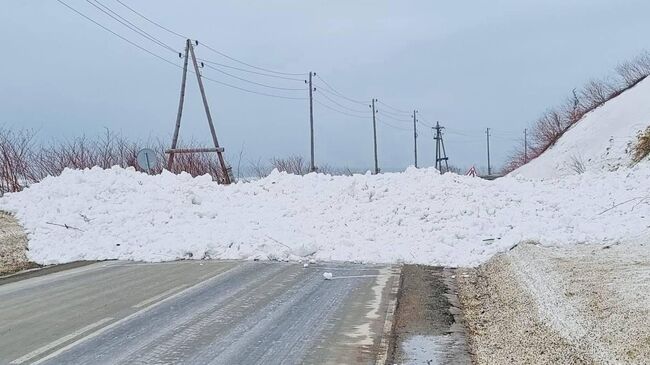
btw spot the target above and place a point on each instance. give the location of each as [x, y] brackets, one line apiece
[417, 216]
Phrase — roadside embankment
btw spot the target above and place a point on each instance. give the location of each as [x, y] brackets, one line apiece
[13, 246]
[586, 304]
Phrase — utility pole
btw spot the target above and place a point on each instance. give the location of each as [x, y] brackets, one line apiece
[441, 153]
[526, 145]
[312, 166]
[487, 133]
[179, 114]
[225, 170]
[374, 133]
[415, 137]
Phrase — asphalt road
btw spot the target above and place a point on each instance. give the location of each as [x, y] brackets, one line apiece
[199, 312]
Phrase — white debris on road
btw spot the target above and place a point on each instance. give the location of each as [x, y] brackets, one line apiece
[417, 216]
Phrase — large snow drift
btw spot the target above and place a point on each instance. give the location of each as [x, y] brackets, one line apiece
[417, 216]
[601, 140]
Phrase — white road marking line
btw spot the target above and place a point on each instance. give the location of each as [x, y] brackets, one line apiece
[127, 318]
[156, 297]
[354, 276]
[58, 342]
[382, 357]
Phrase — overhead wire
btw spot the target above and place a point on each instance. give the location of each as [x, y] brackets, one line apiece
[394, 118]
[116, 34]
[249, 71]
[339, 94]
[208, 46]
[115, 16]
[393, 108]
[340, 111]
[170, 62]
[151, 21]
[393, 126]
[338, 104]
[254, 82]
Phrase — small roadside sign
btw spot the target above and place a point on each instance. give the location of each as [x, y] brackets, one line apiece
[147, 159]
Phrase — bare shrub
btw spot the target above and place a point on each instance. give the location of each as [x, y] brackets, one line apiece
[293, 165]
[15, 156]
[555, 122]
[635, 70]
[577, 165]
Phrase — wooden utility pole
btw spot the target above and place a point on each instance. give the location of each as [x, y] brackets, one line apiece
[179, 114]
[374, 133]
[415, 137]
[225, 171]
[525, 145]
[487, 133]
[312, 166]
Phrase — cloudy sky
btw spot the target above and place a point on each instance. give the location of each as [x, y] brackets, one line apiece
[468, 64]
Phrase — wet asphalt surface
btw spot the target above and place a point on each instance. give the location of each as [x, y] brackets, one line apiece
[198, 312]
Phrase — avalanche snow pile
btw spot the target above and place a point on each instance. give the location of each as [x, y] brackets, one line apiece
[601, 140]
[417, 216]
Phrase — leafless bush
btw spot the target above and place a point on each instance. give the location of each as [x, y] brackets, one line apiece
[22, 162]
[555, 122]
[597, 92]
[636, 70]
[577, 165]
[293, 165]
[15, 156]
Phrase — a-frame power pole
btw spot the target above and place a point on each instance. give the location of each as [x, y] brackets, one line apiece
[225, 170]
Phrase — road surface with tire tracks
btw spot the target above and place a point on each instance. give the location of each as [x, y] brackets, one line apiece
[199, 312]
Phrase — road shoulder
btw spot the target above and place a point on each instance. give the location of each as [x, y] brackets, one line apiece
[428, 326]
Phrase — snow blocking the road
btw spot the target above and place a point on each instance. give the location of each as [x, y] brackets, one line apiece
[417, 216]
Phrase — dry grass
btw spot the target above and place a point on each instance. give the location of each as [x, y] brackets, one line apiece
[641, 149]
[13, 246]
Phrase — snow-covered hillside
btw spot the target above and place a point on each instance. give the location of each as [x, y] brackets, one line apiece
[416, 216]
[600, 141]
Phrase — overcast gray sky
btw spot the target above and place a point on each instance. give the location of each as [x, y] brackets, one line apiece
[468, 64]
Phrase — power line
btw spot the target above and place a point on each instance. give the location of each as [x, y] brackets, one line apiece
[339, 111]
[340, 94]
[393, 126]
[393, 118]
[206, 45]
[393, 108]
[151, 21]
[396, 115]
[251, 66]
[254, 82]
[115, 16]
[340, 105]
[172, 63]
[249, 71]
[252, 91]
[116, 34]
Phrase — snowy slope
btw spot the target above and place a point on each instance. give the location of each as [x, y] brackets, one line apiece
[600, 141]
[416, 216]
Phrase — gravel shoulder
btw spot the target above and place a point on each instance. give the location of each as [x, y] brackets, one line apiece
[13, 246]
[428, 327]
[580, 305]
